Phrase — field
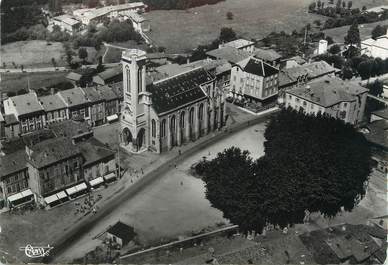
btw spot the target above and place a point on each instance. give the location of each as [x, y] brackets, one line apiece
[32, 53]
[16, 81]
[181, 31]
[365, 31]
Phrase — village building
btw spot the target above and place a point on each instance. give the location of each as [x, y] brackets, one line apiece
[240, 44]
[74, 78]
[377, 48]
[14, 189]
[269, 56]
[332, 96]
[96, 106]
[97, 15]
[53, 165]
[302, 74]
[120, 234]
[99, 164]
[76, 102]
[11, 126]
[109, 76]
[27, 110]
[230, 54]
[66, 23]
[254, 80]
[170, 111]
[55, 109]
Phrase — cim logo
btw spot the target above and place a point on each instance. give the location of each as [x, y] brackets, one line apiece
[36, 252]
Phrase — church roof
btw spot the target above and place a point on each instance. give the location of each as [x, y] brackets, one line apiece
[179, 90]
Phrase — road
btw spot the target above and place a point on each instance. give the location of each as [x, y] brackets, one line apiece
[86, 226]
[33, 70]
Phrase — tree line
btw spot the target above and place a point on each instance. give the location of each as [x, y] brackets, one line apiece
[342, 14]
[311, 163]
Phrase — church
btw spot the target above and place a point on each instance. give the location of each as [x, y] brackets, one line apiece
[160, 115]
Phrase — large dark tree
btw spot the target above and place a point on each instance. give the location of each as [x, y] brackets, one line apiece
[316, 163]
[353, 36]
[378, 31]
[227, 34]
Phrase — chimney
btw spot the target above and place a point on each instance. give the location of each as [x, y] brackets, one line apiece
[187, 60]
[52, 91]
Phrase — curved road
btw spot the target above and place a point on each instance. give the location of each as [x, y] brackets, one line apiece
[86, 225]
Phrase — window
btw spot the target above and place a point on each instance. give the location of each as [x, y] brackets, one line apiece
[304, 103]
[153, 128]
[345, 104]
[86, 112]
[182, 120]
[75, 164]
[200, 113]
[163, 128]
[191, 116]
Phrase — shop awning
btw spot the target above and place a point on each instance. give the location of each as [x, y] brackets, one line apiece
[110, 176]
[20, 195]
[51, 199]
[15, 197]
[81, 187]
[96, 181]
[112, 117]
[26, 193]
[71, 190]
[61, 195]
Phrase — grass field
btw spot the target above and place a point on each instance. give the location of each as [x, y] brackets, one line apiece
[181, 31]
[365, 31]
[14, 82]
[32, 53]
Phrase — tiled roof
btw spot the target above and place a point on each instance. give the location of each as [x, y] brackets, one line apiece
[258, 67]
[117, 88]
[381, 113]
[207, 64]
[267, 54]
[230, 54]
[12, 163]
[92, 94]
[329, 92]
[123, 231]
[70, 20]
[107, 93]
[111, 73]
[52, 102]
[311, 71]
[94, 151]
[51, 151]
[69, 128]
[179, 90]
[27, 103]
[74, 76]
[10, 119]
[73, 97]
[238, 44]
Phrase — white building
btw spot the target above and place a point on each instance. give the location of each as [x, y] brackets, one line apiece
[240, 44]
[96, 15]
[27, 110]
[66, 23]
[322, 47]
[332, 96]
[376, 48]
[254, 80]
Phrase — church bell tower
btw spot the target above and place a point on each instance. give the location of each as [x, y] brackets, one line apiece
[134, 84]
